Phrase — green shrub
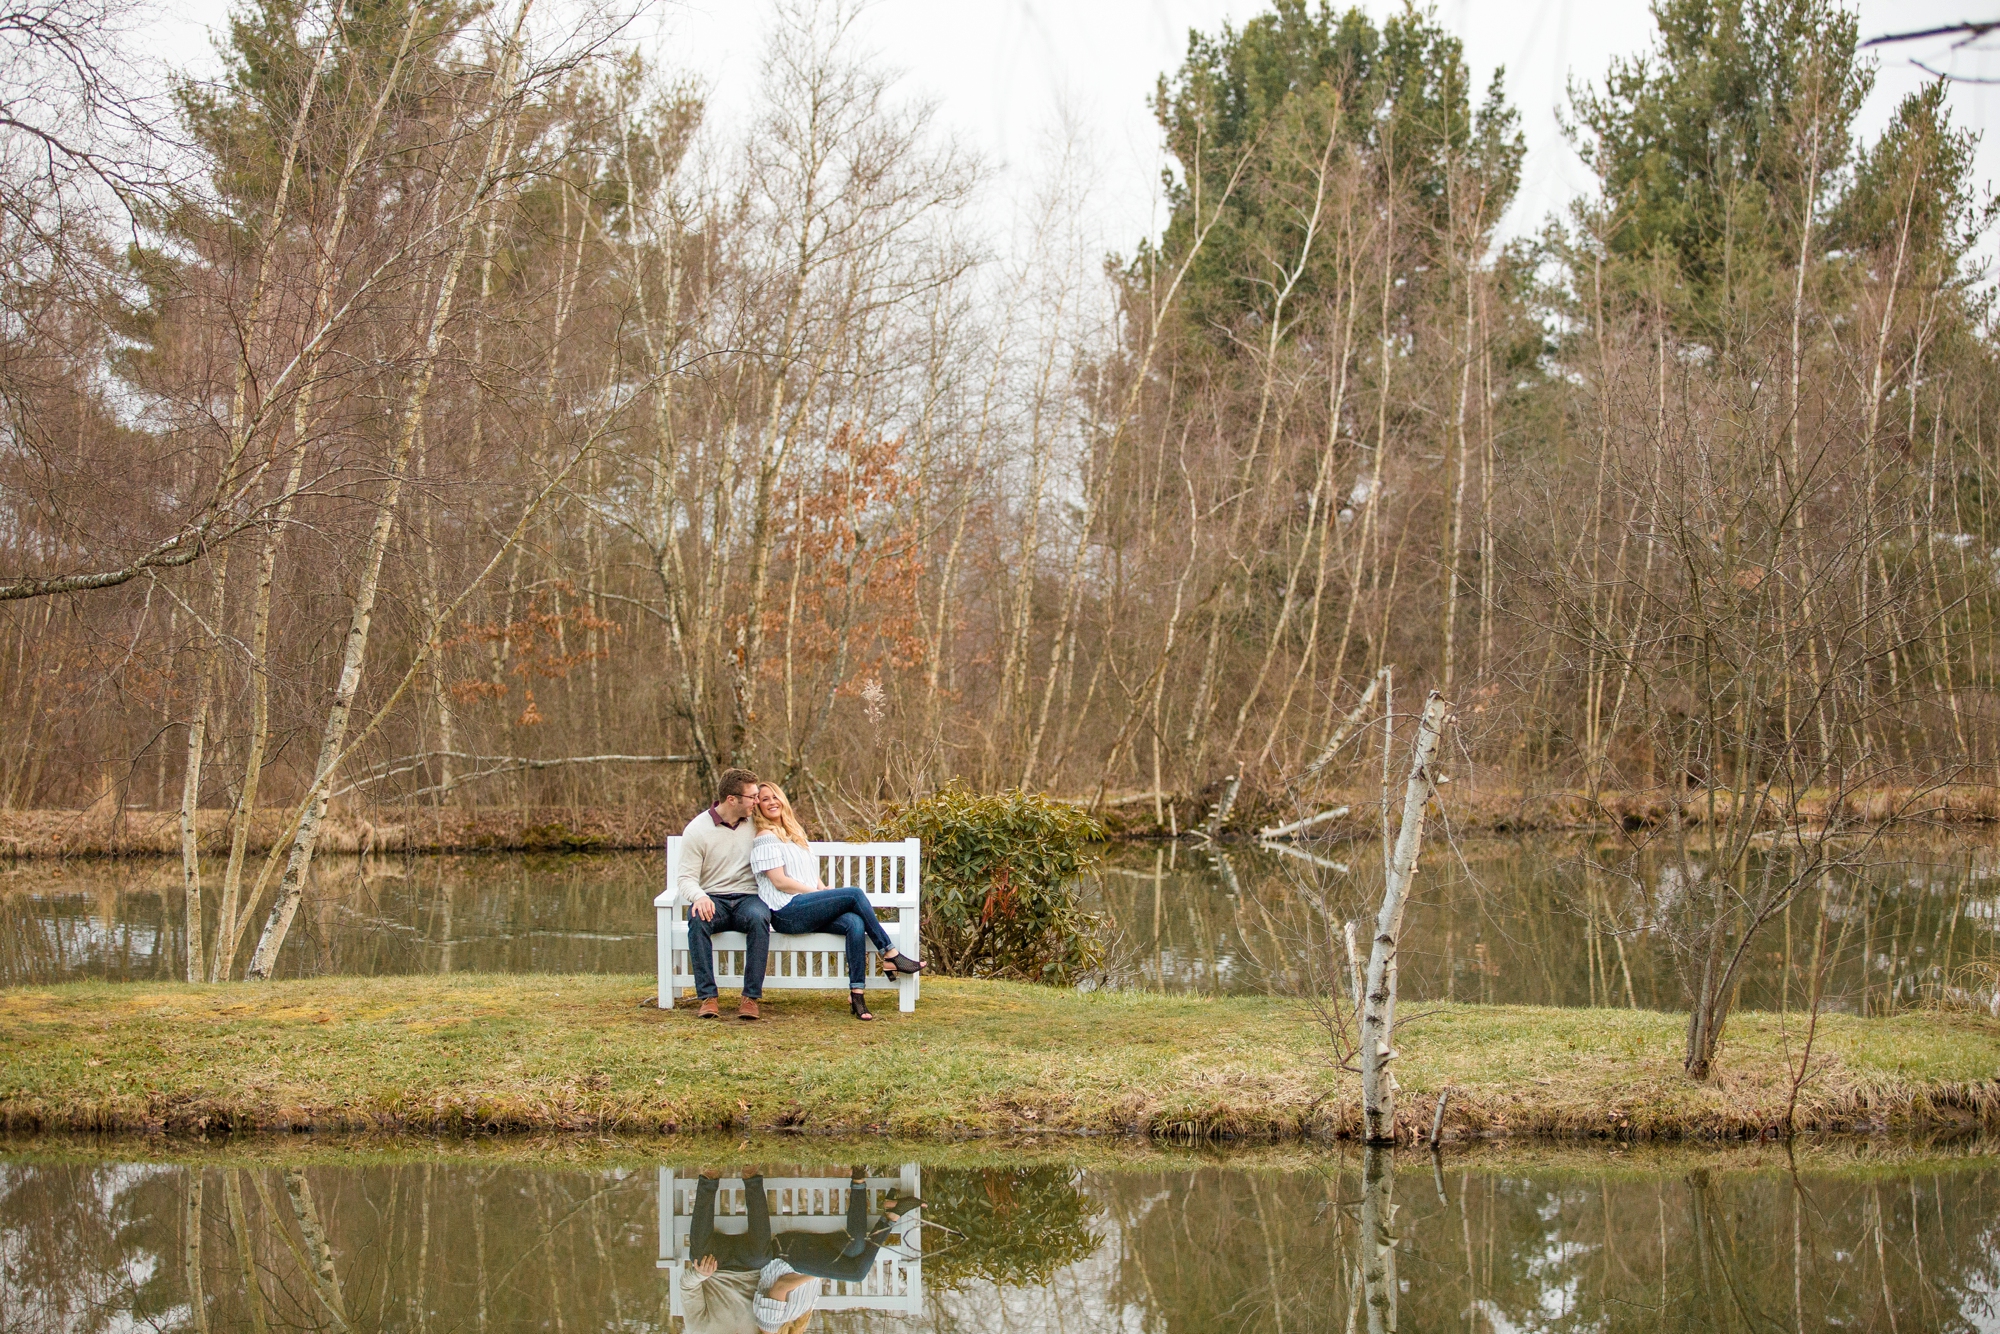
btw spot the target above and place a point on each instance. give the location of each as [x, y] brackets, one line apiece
[1016, 1227]
[999, 883]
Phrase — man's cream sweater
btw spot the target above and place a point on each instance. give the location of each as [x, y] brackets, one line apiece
[715, 859]
[720, 1303]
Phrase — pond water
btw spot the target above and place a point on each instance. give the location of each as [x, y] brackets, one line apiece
[1531, 920]
[368, 1240]
[1547, 921]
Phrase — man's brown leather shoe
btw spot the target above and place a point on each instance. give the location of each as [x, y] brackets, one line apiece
[709, 1010]
[748, 1009]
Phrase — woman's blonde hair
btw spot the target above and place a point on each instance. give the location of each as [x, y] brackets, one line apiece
[796, 1326]
[786, 825]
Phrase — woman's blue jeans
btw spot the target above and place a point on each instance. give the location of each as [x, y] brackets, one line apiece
[844, 912]
[845, 1257]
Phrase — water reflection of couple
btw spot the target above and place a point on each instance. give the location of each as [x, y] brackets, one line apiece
[771, 1283]
[746, 866]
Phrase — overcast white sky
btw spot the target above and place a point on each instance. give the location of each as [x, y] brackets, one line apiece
[1000, 70]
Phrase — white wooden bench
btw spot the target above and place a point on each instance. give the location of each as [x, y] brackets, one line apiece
[886, 872]
[805, 1204]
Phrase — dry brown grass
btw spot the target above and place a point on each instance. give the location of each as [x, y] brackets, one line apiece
[1488, 808]
[103, 832]
[539, 1054]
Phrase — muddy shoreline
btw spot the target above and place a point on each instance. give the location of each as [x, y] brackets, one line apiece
[100, 832]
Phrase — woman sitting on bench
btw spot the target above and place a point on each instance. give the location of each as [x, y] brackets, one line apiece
[788, 1288]
[788, 882]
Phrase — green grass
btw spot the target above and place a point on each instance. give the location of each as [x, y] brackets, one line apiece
[565, 1054]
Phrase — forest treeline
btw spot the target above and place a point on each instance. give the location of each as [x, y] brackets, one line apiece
[444, 411]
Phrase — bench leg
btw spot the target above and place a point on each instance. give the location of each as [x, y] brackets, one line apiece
[664, 922]
[907, 942]
[666, 1202]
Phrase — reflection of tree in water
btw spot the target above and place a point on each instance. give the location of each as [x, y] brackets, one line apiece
[1005, 1225]
[1216, 1249]
[46, 938]
[1703, 1251]
[124, 918]
[1378, 1238]
[88, 1247]
[1249, 1251]
[1542, 920]
[472, 1246]
[402, 1247]
[431, 1245]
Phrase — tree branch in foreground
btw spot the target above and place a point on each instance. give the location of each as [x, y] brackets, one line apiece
[508, 764]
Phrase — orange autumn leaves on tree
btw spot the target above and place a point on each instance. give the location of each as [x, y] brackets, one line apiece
[848, 568]
[535, 645]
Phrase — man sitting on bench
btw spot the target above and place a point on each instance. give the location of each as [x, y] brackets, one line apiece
[721, 890]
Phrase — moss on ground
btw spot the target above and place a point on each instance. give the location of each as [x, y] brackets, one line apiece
[564, 1054]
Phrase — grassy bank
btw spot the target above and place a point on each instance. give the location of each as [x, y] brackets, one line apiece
[102, 831]
[532, 1054]
[1846, 1155]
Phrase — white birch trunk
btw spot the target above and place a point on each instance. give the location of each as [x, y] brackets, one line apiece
[326, 273]
[353, 658]
[1378, 1238]
[240, 427]
[1095, 489]
[191, 1260]
[191, 784]
[429, 606]
[1378, 1013]
[322, 1274]
[228, 929]
[685, 634]
[355, 653]
[1346, 727]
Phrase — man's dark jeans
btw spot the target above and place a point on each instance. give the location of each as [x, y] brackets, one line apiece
[748, 1252]
[733, 912]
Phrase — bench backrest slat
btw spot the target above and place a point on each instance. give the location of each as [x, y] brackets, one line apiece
[886, 872]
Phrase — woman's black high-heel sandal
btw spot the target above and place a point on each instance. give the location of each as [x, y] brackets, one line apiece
[894, 1210]
[901, 963]
[857, 1005]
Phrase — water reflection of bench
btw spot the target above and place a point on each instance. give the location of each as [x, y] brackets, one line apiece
[805, 1204]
